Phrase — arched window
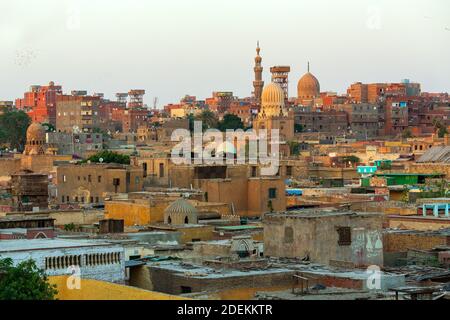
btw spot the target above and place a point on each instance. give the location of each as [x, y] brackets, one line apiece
[169, 220]
[186, 220]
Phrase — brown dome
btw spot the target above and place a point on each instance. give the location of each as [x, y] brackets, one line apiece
[36, 132]
[308, 87]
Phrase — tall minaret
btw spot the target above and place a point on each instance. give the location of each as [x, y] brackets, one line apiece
[258, 84]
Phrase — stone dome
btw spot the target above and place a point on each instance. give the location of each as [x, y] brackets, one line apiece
[308, 86]
[272, 101]
[180, 212]
[36, 132]
[36, 137]
[272, 95]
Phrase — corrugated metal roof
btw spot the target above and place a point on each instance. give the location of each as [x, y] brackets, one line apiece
[436, 154]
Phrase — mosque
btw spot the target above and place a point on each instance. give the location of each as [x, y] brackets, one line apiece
[273, 113]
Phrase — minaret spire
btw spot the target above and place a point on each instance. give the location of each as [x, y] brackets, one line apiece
[308, 66]
[258, 69]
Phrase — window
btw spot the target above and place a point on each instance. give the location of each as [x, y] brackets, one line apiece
[89, 178]
[99, 179]
[254, 171]
[64, 178]
[62, 199]
[186, 220]
[345, 236]
[272, 193]
[161, 170]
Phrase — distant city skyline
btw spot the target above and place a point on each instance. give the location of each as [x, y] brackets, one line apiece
[173, 48]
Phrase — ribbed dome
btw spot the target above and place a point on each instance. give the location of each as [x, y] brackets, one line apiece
[180, 206]
[308, 86]
[272, 95]
[36, 132]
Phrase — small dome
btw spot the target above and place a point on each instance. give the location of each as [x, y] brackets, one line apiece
[36, 132]
[308, 86]
[181, 206]
[272, 95]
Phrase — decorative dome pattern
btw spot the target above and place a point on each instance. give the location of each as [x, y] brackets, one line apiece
[272, 101]
[180, 212]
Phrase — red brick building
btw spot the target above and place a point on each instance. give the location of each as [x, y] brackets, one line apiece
[40, 102]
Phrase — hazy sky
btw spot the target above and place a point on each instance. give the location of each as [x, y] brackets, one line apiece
[175, 47]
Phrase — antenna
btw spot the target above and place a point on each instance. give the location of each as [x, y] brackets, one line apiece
[155, 102]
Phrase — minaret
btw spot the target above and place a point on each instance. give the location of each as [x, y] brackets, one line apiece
[258, 84]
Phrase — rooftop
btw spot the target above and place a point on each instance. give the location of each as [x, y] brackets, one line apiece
[320, 213]
[44, 244]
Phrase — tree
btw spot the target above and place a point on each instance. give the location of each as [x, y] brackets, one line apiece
[230, 121]
[440, 127]
[351, 159]
[294, 147]
[24, 282]
[49, 127]
[298, 128]
[208, 119]
[407, 133]
[13, 129]
[109, 157]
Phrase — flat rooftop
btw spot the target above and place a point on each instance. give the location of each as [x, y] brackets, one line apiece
[320, 213]
[44, 244]
[203, 272]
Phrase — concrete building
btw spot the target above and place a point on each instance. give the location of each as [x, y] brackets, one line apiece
[96, 259]
[77, 113]
[79, 144]
[330, 237]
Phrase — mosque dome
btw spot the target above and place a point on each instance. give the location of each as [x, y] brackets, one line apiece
[180, 212]
[36, 132]
[308, 86]
[272, 95]
[36, 137]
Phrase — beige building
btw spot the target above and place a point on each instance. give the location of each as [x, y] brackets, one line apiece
[91, 183]
[241, 186]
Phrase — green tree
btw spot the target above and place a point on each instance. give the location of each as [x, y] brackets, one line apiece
[49, 127]
[13, 129]
[440, 127]
[407, 133]
[109, 157]
[294, 147]
[208, 118]
[24, 282]
[298, 128]
[352, 159]
[230, 121]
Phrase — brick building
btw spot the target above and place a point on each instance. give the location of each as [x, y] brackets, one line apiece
[40, 102]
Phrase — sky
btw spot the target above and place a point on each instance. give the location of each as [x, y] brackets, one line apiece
[172, 48]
